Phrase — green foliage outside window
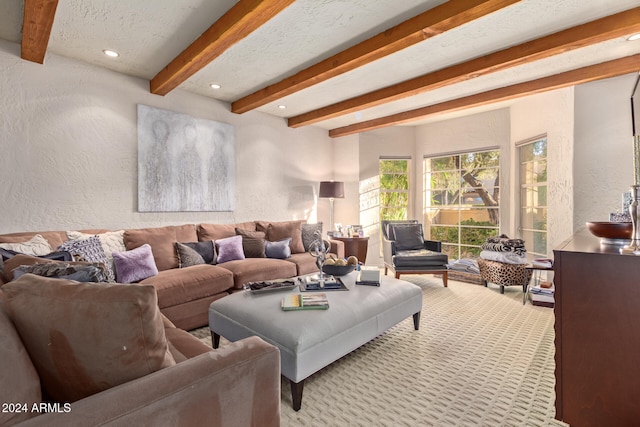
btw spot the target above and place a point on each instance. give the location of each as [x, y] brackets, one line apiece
[394, 189]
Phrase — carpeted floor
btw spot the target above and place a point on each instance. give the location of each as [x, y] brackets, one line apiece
[480, 358]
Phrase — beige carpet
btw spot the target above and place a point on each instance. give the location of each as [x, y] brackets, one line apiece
[480, 358]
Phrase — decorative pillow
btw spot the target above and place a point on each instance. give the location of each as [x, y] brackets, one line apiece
[37, 246]
[92, 272]
[252, 243]
[20, 382]
[135, 265]
[280, 249]
[84, 338]
[229, 249]
[187, 256]
[206, 249]
[111, 241]
[408, 236]
[308, 234]
[90, 250]
[6, 254]
[281, 230]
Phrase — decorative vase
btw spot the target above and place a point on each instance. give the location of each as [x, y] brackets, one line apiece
[634, 210]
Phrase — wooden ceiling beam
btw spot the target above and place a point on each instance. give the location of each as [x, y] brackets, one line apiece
[604, 70]
[610, 27]
[37, 22]
[435, 21]
[241, 20]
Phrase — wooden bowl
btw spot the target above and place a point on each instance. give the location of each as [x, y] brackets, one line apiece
[611, 230]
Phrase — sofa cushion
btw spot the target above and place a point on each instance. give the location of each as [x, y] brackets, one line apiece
[309, 234]
[304, 262]
[161, 240]
[85, 337]
[258, 269]
[220, 231]
[279, 250]
[229, 249]
[19, 379]
[178, 286]
[420, 258]
[281, 230]
[253, 243]
[408, 236]
[135, 265]
[37, 245]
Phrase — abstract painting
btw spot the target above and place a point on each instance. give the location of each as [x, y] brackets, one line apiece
[184, 163]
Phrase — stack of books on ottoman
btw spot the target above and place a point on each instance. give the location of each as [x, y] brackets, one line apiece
[542, 294]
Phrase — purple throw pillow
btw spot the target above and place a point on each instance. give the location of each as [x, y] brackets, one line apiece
[279, 250]
[230, 249]
[135, 265]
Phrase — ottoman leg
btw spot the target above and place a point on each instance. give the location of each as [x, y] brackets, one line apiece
[416, 321]
[296, 394]
[215, 340]
[502, 289]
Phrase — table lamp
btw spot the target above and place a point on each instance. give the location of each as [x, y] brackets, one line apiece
[331, 190]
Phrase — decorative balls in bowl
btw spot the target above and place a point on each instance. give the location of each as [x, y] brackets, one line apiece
[611, 230]
[340, 267]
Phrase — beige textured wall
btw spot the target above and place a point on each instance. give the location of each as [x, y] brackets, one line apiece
[68, 140]
[549, 113]
[603, 166]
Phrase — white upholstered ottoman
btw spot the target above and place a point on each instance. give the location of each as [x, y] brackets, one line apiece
[309, 340]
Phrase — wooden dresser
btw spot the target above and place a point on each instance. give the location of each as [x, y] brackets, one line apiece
[597, 326]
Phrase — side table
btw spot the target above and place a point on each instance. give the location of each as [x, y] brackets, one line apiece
[356, 246]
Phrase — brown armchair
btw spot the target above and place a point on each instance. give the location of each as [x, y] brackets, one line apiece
[405, 251]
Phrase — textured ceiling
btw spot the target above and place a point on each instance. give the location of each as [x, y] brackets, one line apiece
[148, 34]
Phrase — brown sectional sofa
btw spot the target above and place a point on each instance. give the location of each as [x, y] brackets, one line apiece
[193, 388]
[184, 294]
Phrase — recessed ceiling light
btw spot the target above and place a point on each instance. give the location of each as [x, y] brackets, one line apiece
[634, 37]
[282, 107]
[111, 53]
[215, 86]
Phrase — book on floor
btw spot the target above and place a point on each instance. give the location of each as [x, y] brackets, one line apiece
[305, 302]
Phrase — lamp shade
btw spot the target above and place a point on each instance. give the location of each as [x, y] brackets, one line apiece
[331, 189]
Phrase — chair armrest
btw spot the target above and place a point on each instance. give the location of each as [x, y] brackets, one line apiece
[388, 250]
[237, 385]
[337, 247]
[433, 245]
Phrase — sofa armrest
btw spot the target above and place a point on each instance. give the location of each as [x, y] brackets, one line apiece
[237, 385]
[337, 247]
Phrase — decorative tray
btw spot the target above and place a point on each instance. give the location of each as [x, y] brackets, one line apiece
[332, 284]
[271, 286]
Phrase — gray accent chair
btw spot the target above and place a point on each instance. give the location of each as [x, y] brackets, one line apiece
[405, 251]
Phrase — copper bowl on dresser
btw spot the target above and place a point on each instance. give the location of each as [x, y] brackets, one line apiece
[611, 232]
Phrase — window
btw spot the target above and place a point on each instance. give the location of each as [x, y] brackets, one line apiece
[462, 201]
[394, 189]
[533, 195]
